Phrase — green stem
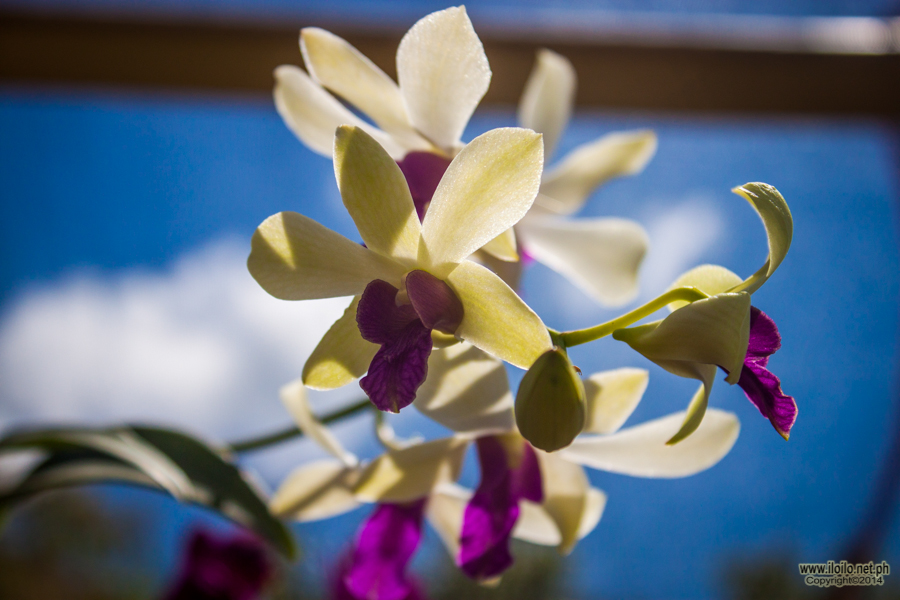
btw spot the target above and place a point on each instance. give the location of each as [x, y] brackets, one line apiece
[292, 432]
[582, 336]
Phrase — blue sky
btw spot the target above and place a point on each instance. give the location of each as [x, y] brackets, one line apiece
[127, 219]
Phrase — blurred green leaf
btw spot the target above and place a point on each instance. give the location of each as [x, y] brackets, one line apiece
[181, 465]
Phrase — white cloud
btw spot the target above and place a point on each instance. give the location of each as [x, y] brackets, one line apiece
[680, 236]
[200, 346]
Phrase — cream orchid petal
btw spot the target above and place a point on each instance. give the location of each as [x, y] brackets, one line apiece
[713, 331]
[596, 504]
[443, 74]
[488, 188]
[294, 398]
[641, 451]
[535, 525]
[294, 258]
[611, 397]
[313, 114]
[709, 279]
[316, 491]
[588, 166]
[549, 95]
[495, 318]
[466, 390]
[341, 356]
[344, 70]
[411, 473]
[696, 409]
[600, 256]
[445, 511]
[566, 488]
[503, 246]
[376, 195]
[776, 217]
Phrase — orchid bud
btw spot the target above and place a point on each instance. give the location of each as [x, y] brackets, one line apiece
[550, 405]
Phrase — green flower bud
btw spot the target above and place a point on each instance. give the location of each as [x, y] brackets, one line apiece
[550, 405]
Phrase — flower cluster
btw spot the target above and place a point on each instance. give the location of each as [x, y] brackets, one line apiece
[446, 229]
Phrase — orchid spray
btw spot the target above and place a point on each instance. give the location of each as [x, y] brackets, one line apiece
[434, 312]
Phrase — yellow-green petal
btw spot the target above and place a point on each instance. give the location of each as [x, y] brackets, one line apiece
[549, 94]
[487, 189]
[313, 114]
[611, 397]
[411, 473]
[496, 319]
[779, 224]
[503, 246]
[709, 279]
[641, 451]
[565, 486]
[600, 256]
[294, 398]
[347, 72]
[581, 171]
[294, 258]
[443, 74]
[316, 491]
[376, 195]
[466, 390]
[713, 331]
[341, 356]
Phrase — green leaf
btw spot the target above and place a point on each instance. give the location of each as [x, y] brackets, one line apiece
[166, 460]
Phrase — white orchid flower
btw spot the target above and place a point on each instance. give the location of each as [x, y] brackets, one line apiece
[442, 72]
[600, 256]
[409, 278]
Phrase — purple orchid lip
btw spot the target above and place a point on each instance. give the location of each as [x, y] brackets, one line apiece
[386, 544]
[491, 514]
[434, 301]
[760, 385]
[234, 568]
[423, 172]
[401, 364]
[404, 332]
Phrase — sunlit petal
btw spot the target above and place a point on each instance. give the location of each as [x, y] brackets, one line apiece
[578, 174]
[341, 356]
[565, 496]
[776, 217]
[600, 256]
[342, 69]
[315, 491]
[496, 320]
[445, 510]
[549, 94]
[488, 188]
[294, 258]
[376, 195]
[443, 74]
[466, 390]
[709, 279]
[503, 246]
[641, 451]
[411, 473]
[313, 114]
[611, 397]
[294, 398]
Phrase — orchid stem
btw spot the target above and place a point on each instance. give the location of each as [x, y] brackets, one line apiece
[583, 336]
[271, 439]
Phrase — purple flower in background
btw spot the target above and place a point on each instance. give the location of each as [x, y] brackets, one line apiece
[404, 333]
[229, 568]
[760, 385]
[377, 568]
[509, 473]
